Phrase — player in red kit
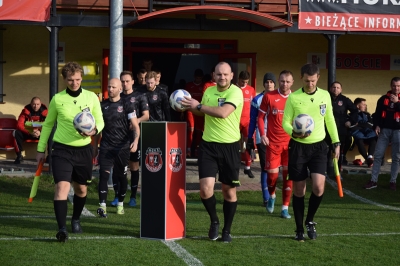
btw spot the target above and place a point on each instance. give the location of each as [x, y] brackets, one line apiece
[248, 94]
[210, 82]
[195, 124]
[277, 141]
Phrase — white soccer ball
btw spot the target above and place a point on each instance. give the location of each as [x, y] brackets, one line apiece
[84, 122]
[303, 124]
[175, 100]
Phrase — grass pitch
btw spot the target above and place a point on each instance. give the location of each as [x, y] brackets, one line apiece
[362, 228]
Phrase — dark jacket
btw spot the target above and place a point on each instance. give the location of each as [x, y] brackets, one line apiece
[387, 113]
[364, 127]
[343, 110]
[28, 114]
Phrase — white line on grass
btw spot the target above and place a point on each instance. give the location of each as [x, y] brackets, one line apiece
[178, 248]
[188, 258]
[351, 194]
[85, 212]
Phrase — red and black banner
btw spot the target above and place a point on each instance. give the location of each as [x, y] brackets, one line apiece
[350, 15]
[27, 10]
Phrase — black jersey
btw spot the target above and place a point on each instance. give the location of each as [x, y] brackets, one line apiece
[138, 100]
[158, 103]
[116, 133]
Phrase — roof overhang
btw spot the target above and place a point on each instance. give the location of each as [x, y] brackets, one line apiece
[265, 20]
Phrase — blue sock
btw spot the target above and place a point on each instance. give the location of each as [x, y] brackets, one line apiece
[264, 186]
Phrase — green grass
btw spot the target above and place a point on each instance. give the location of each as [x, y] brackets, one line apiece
[350, 231]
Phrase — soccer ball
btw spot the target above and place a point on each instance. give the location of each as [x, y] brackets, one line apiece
[303, 124]
[175, 100]
[84, 122]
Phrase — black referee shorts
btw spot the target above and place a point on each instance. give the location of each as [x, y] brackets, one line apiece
[72, 163]
[221, 158]
[306, 156]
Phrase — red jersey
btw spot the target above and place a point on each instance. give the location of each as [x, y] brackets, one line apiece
[208, 84]
[195, 90]
[273, 104]
[248, 94]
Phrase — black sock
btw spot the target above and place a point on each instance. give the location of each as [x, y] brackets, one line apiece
[211, 206]
[115, 185]
[103, 186]
[60, 210]
[79, 203]
[229, 212]
[134, 183]
[298, 210]
[313, 204]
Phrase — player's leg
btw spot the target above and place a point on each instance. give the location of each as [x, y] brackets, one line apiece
[381, 145]
[106, 161]
[273, 161]
[116, 189]
[134, 168]
[229, 177]
[120, 171]
[297, 170]
[317, 168]
[394, 169]
[245, 156]
[208, 168]
[19, 139]
[264, 176]
[287, 184]
[62, 171]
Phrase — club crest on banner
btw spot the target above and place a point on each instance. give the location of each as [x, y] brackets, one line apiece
[175, 159]
[153, 159]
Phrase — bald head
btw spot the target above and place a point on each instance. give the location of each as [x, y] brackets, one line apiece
[114, 89]
[223, 75]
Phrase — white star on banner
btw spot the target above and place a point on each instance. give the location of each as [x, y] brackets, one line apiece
[308, 20]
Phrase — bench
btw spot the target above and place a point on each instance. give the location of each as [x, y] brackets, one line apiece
[7, 127]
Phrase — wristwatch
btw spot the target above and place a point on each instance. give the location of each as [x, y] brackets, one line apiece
[336, 144]
[199, 107]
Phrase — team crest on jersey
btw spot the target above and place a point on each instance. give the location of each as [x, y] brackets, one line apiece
[247, 92]
[322, 109]
[175, 159]
[275, 111]
[120, 109]
[340, 103]
[155, 97]
[133, 99]
[153, 159]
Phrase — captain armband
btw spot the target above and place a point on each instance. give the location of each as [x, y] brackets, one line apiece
[132, 115]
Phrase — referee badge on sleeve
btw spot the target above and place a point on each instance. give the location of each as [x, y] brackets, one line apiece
[322, 109]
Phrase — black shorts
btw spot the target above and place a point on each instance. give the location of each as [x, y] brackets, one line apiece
[72, 163]
[116, 159]
[306, 156]
[221, 158]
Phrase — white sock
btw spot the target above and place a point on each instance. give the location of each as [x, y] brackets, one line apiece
[120, 204]
[247, 167]
[102, 204]
[285, 207]
[273, 196]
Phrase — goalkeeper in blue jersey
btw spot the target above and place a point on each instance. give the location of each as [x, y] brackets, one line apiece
[269, 83]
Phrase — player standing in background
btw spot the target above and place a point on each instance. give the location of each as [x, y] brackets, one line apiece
[195, 123]
[140, 105]
[277, 140]
[269, 85]
[158, 78]
[141, 78]
[72, 153]
[157, 99]
[219, 150]
[119, 116]
[210, 82]
[308, 152]
[248, 94]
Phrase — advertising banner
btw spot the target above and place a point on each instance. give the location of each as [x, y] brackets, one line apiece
[350, 15]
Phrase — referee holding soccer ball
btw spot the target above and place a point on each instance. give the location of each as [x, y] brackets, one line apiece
[72, 152]
[308, 152]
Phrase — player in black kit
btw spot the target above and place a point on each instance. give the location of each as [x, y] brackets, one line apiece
[157, 98]
[116, 143]
[139, 102]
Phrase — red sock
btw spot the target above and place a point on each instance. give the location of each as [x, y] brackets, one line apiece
[271, 181]
[286, 188]
[189, 138]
